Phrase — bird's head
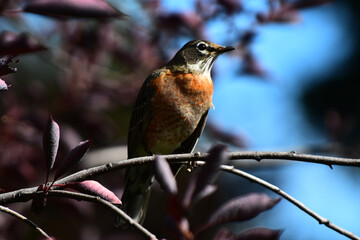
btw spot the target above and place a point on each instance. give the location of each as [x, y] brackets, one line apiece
[197, 56]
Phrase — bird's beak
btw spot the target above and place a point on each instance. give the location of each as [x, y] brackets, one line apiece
[223, 49]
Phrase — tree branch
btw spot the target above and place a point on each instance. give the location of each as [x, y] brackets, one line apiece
[98, 200]
[291, 199]
[27, 193]
[25, 220]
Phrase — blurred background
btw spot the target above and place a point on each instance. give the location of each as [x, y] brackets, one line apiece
[291, 84]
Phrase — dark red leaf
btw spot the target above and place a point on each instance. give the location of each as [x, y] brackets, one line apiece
[92, 187]
[51, 139]
[247, 38]
[4, 65]
[206, 176]
[73, 157]
[250, 234]
[15, 44]
[39, 201]
[241, 208]
[308, 3]
[175, 208]
[3, 85]
[231, 6]
[164, 175]
[259, 234]
[286, 13]
[184, 23]
[179, 227]
[73, 8]
[252, 66]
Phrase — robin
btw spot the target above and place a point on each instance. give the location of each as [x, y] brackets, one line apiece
[169, 116]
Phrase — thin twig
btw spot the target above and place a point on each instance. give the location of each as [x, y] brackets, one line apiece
[291, 199]
[294, 156]
[25, 220]
[98, 200]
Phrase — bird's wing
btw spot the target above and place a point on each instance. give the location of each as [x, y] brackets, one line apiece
[189, 144]
[141, 116]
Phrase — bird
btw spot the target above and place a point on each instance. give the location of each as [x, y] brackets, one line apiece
[169, 116]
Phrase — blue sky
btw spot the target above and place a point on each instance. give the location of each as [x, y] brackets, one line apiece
[292, 54]
[268, 113]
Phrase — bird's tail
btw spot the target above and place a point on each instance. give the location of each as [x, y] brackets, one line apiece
[136, 195]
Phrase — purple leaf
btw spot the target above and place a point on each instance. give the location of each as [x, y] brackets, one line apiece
[250, 234]
[225, 234]
[3, 85]
[18, 43]
[241, 208]
[164, 175]
[205, 192]
[51, 142]
[259, 234]
[73, 8]
[206, 176]
[73, 157]
[92, 187]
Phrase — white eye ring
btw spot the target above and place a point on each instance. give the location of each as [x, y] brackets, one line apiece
[201, 46]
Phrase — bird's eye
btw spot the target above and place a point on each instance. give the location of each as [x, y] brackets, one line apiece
[201, 46]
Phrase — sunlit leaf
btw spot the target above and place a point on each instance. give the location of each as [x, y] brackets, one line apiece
[164, 175]
[3, 85]
[205, 192]
[18, 43]
[73, 157]
[51, 139]
[73, 8]
[92, 187]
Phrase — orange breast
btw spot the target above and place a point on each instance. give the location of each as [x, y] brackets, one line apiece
[179, 102]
